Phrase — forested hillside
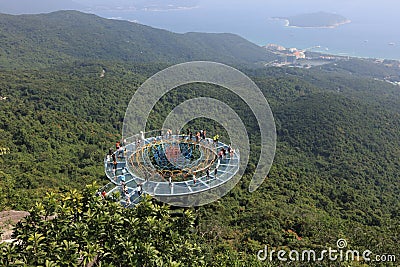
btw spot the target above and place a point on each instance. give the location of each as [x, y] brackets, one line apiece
[33, 41]
[335, 174]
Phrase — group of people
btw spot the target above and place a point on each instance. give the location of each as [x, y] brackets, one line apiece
[223, 152]
[207, 174]
[120, 152]
[125, 191]
[199, 135]
[193, 176]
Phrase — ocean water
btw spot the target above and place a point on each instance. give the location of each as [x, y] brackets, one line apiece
[373, 31]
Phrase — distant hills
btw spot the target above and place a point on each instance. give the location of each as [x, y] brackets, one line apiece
[37, 6]
[316, 20]
[18, 7]
[67, 35]
[149, 5]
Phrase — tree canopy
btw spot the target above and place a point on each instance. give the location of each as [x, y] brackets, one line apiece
[81, 229]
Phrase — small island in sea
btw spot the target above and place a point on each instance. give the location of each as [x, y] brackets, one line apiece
[315, 20]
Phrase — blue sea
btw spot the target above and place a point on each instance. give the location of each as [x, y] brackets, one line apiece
[373, 31]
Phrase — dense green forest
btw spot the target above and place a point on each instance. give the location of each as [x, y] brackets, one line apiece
[335, 174]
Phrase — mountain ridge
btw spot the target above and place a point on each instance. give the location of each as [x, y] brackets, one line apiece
[75, 35]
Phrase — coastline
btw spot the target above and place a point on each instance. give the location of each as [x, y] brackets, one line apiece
[179, 8]
[131, 9]
[287, 24]
[277, 30]
[321, 27]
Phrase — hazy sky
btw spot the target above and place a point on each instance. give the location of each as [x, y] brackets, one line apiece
[357, 9]
[384, 9]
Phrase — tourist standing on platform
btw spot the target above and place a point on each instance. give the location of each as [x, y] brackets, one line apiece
[117, 145]
[120, 152]
[223, 152]
[198, 137]
[215, 139]
[220, 153]
[127, 199]
[169, 133]
[115, 164]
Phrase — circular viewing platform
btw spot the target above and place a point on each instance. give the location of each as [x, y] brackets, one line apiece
[161, 164]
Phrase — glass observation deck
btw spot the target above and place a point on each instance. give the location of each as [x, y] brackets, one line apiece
[161, 164]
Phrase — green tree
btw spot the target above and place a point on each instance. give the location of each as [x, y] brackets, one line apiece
[81, 229]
